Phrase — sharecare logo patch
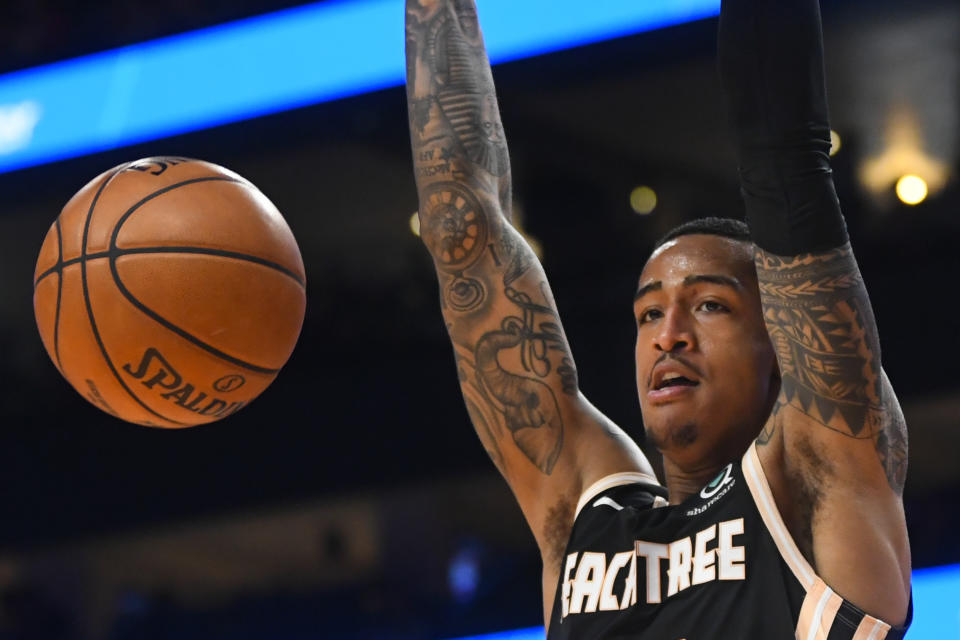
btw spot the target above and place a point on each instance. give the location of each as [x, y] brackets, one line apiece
[718, 483]
[717, 488]
[651, 571]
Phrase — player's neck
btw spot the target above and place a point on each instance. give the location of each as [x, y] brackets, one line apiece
[682, 483]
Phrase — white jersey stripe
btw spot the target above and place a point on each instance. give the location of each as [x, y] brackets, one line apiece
[806, 629]
[879, 631]
[608, 502]
[871, 629]
[611, 481]
[830, 612]
[864, 629]
[816, 630]
[818, 612]
[763, 498]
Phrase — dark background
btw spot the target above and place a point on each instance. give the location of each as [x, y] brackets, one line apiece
[360, 454]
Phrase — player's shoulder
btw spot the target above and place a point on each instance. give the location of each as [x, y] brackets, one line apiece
[630, 504]
[624, 483]
[626, 492]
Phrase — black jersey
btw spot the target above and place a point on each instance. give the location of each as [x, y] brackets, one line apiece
[719, 565]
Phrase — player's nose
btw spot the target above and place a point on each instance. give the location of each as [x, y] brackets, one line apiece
[674, 332]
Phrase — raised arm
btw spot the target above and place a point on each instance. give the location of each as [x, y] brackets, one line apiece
[515, 367]
[835, 447]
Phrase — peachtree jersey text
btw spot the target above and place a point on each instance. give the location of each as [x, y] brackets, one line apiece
[720, 565]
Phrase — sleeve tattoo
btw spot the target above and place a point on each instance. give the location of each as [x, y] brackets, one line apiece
[823, 330]
[503, 376]
[512, 356]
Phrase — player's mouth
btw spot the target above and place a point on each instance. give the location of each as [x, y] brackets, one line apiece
[670, 381]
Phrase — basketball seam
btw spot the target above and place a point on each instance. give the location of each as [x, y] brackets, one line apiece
[181, 332]
[89, 305]
[150, 312]
[56, 321]
[63, 264]
[116, 253]
[223, 253]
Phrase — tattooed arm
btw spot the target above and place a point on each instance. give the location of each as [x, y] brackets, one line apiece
[515, 367]
[835, 445]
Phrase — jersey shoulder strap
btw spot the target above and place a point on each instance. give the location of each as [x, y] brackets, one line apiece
[822, 608]
[647, 482]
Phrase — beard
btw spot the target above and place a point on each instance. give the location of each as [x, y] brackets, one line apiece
[674, 437]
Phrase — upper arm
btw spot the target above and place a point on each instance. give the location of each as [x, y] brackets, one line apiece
[835, 444]
[833, 388]
[518, 375]
[515, 367]
[519, 383]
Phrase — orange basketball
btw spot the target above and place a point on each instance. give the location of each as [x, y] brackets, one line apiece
[169, 292]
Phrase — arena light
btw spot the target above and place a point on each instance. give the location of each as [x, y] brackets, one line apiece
[904, 160]
[911, 189]
[936, 608]
[835, 143]
[271, 63]
[643, 200]
[415, 223]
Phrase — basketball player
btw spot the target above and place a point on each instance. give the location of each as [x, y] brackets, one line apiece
[758, 368]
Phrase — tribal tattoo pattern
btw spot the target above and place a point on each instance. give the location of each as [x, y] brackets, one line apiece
[512, 357]
[821, 323]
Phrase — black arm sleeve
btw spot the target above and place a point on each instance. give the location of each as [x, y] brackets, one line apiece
[771, 68]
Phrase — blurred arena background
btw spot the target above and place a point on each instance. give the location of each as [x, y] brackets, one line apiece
[352, 500]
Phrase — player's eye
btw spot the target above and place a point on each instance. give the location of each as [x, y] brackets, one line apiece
[648, 316]
[712, 306]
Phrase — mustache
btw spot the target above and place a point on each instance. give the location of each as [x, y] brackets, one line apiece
[676, 358]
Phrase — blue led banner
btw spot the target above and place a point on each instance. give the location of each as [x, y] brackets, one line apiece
[936, 603]
[271, 63]
[532, 633]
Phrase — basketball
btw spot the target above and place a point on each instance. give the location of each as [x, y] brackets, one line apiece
[169, 292]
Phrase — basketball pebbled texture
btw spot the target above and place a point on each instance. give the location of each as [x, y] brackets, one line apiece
[169, 292]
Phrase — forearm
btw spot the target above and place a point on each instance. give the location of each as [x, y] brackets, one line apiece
[455, 127]
[494, 296]
[461, 166]
[814, 299]
[460, 162]
[771, 67]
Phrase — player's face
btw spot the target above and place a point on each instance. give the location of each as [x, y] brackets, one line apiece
[706, 371]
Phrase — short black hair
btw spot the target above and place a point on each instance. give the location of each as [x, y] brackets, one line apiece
[725, 227]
